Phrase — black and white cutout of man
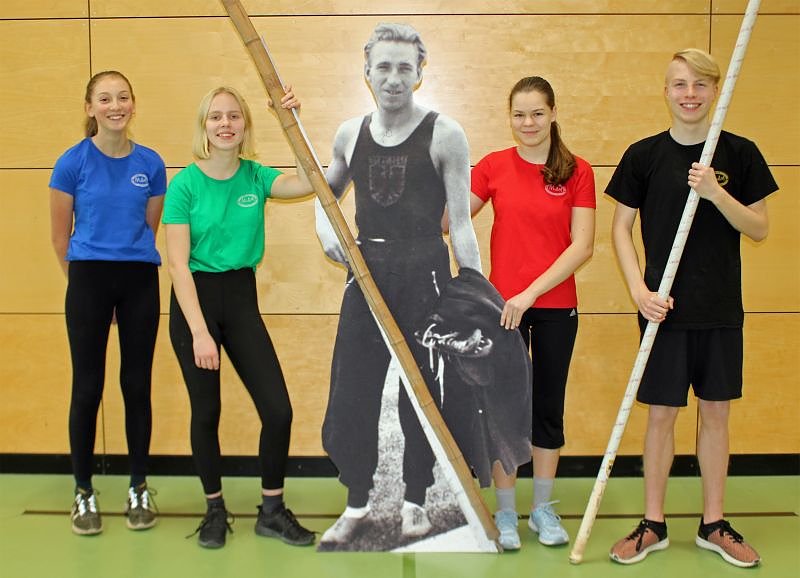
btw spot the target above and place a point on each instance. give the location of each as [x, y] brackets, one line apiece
[406, 163]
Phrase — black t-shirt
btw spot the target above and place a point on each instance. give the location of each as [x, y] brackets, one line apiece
[652, 177]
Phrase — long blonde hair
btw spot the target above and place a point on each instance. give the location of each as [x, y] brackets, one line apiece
[200, 140]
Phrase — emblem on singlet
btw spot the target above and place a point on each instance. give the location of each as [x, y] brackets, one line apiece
[722, 178]
[387, 178]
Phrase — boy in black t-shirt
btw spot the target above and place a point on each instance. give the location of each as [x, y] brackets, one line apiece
[700, 338]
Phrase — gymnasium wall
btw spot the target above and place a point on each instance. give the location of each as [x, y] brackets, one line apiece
[606, 61]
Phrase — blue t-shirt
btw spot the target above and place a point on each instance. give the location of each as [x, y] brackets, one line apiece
[110, 198]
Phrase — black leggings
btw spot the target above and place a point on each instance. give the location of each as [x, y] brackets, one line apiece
[550, 333]
[230, 308]
[97, 289]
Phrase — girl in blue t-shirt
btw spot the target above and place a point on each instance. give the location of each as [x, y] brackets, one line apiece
[106, 195]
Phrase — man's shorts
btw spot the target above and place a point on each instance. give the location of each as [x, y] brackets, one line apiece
[710, 360]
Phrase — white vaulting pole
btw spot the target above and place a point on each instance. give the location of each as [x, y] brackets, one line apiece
[576, 555]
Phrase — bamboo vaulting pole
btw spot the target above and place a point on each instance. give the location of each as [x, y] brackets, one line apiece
[436, 430]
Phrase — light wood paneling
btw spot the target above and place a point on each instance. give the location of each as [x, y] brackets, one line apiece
[767, 418]
[462, 79]
[304, 344]
[296, 277]
[42, 81]
[43, 9]
[608, 76]
[35, 382]
[764, 106]
[117, 8]
[33, 281]
[601, 366]
[771, 269]
[35, 388]
[766, 7]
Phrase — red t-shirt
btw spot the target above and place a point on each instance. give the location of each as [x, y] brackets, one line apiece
[531, 221]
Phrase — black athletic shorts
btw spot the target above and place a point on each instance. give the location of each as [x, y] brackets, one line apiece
[710, 360]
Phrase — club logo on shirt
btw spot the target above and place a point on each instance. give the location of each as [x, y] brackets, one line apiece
[722, 178]
[387, 178]
[140, 180]
[555, 190]
[248, 200]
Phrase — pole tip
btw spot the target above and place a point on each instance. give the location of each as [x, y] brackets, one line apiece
[575, 558]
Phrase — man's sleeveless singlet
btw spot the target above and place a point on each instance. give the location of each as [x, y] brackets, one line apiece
[399, 193]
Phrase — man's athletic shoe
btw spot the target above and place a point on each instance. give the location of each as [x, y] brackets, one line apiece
[281, 523]
[85, 515]
[140, 510]
[506, 522]
[415, 522]
[342, 530]
[719, 537]
[647, 537]
[214, 527]
[545, 522]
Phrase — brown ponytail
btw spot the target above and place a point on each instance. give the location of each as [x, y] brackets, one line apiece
[560, 161]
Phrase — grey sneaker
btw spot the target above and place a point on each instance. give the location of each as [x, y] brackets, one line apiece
[141, 509]
[85, 516]
[545, 522]
[283, 525]
[506, 522]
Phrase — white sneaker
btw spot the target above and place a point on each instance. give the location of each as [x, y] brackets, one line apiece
[415, 521]
[342, 530]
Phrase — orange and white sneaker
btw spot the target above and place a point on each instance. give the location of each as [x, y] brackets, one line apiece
[719, 537]
[648, 537]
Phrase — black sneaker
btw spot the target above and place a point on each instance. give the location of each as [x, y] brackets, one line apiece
[282, 524]
[85, 515]
[214, 527]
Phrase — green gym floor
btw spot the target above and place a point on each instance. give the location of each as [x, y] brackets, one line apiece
[36, 541]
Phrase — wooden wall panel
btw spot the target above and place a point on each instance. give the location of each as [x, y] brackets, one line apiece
[129, 8]
[598, 54]
[34, 384]
[771, 269]
[304, 344]
[608, 75]
[42, 81]
[36, 388]
[767, 7]
[602, 361]
[764, 106]
[765, 420]
[43, 9]
[32, 281]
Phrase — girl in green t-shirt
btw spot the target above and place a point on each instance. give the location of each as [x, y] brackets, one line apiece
[214, 218]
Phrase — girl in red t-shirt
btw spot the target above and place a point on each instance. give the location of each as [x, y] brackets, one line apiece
[543, 198]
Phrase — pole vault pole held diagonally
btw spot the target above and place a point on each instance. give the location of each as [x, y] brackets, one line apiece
[665, 286]
[442, 443]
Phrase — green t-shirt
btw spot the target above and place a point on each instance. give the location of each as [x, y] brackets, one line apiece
[225, 218]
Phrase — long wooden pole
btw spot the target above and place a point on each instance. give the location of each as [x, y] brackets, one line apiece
[576, 555]
[290, 123]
